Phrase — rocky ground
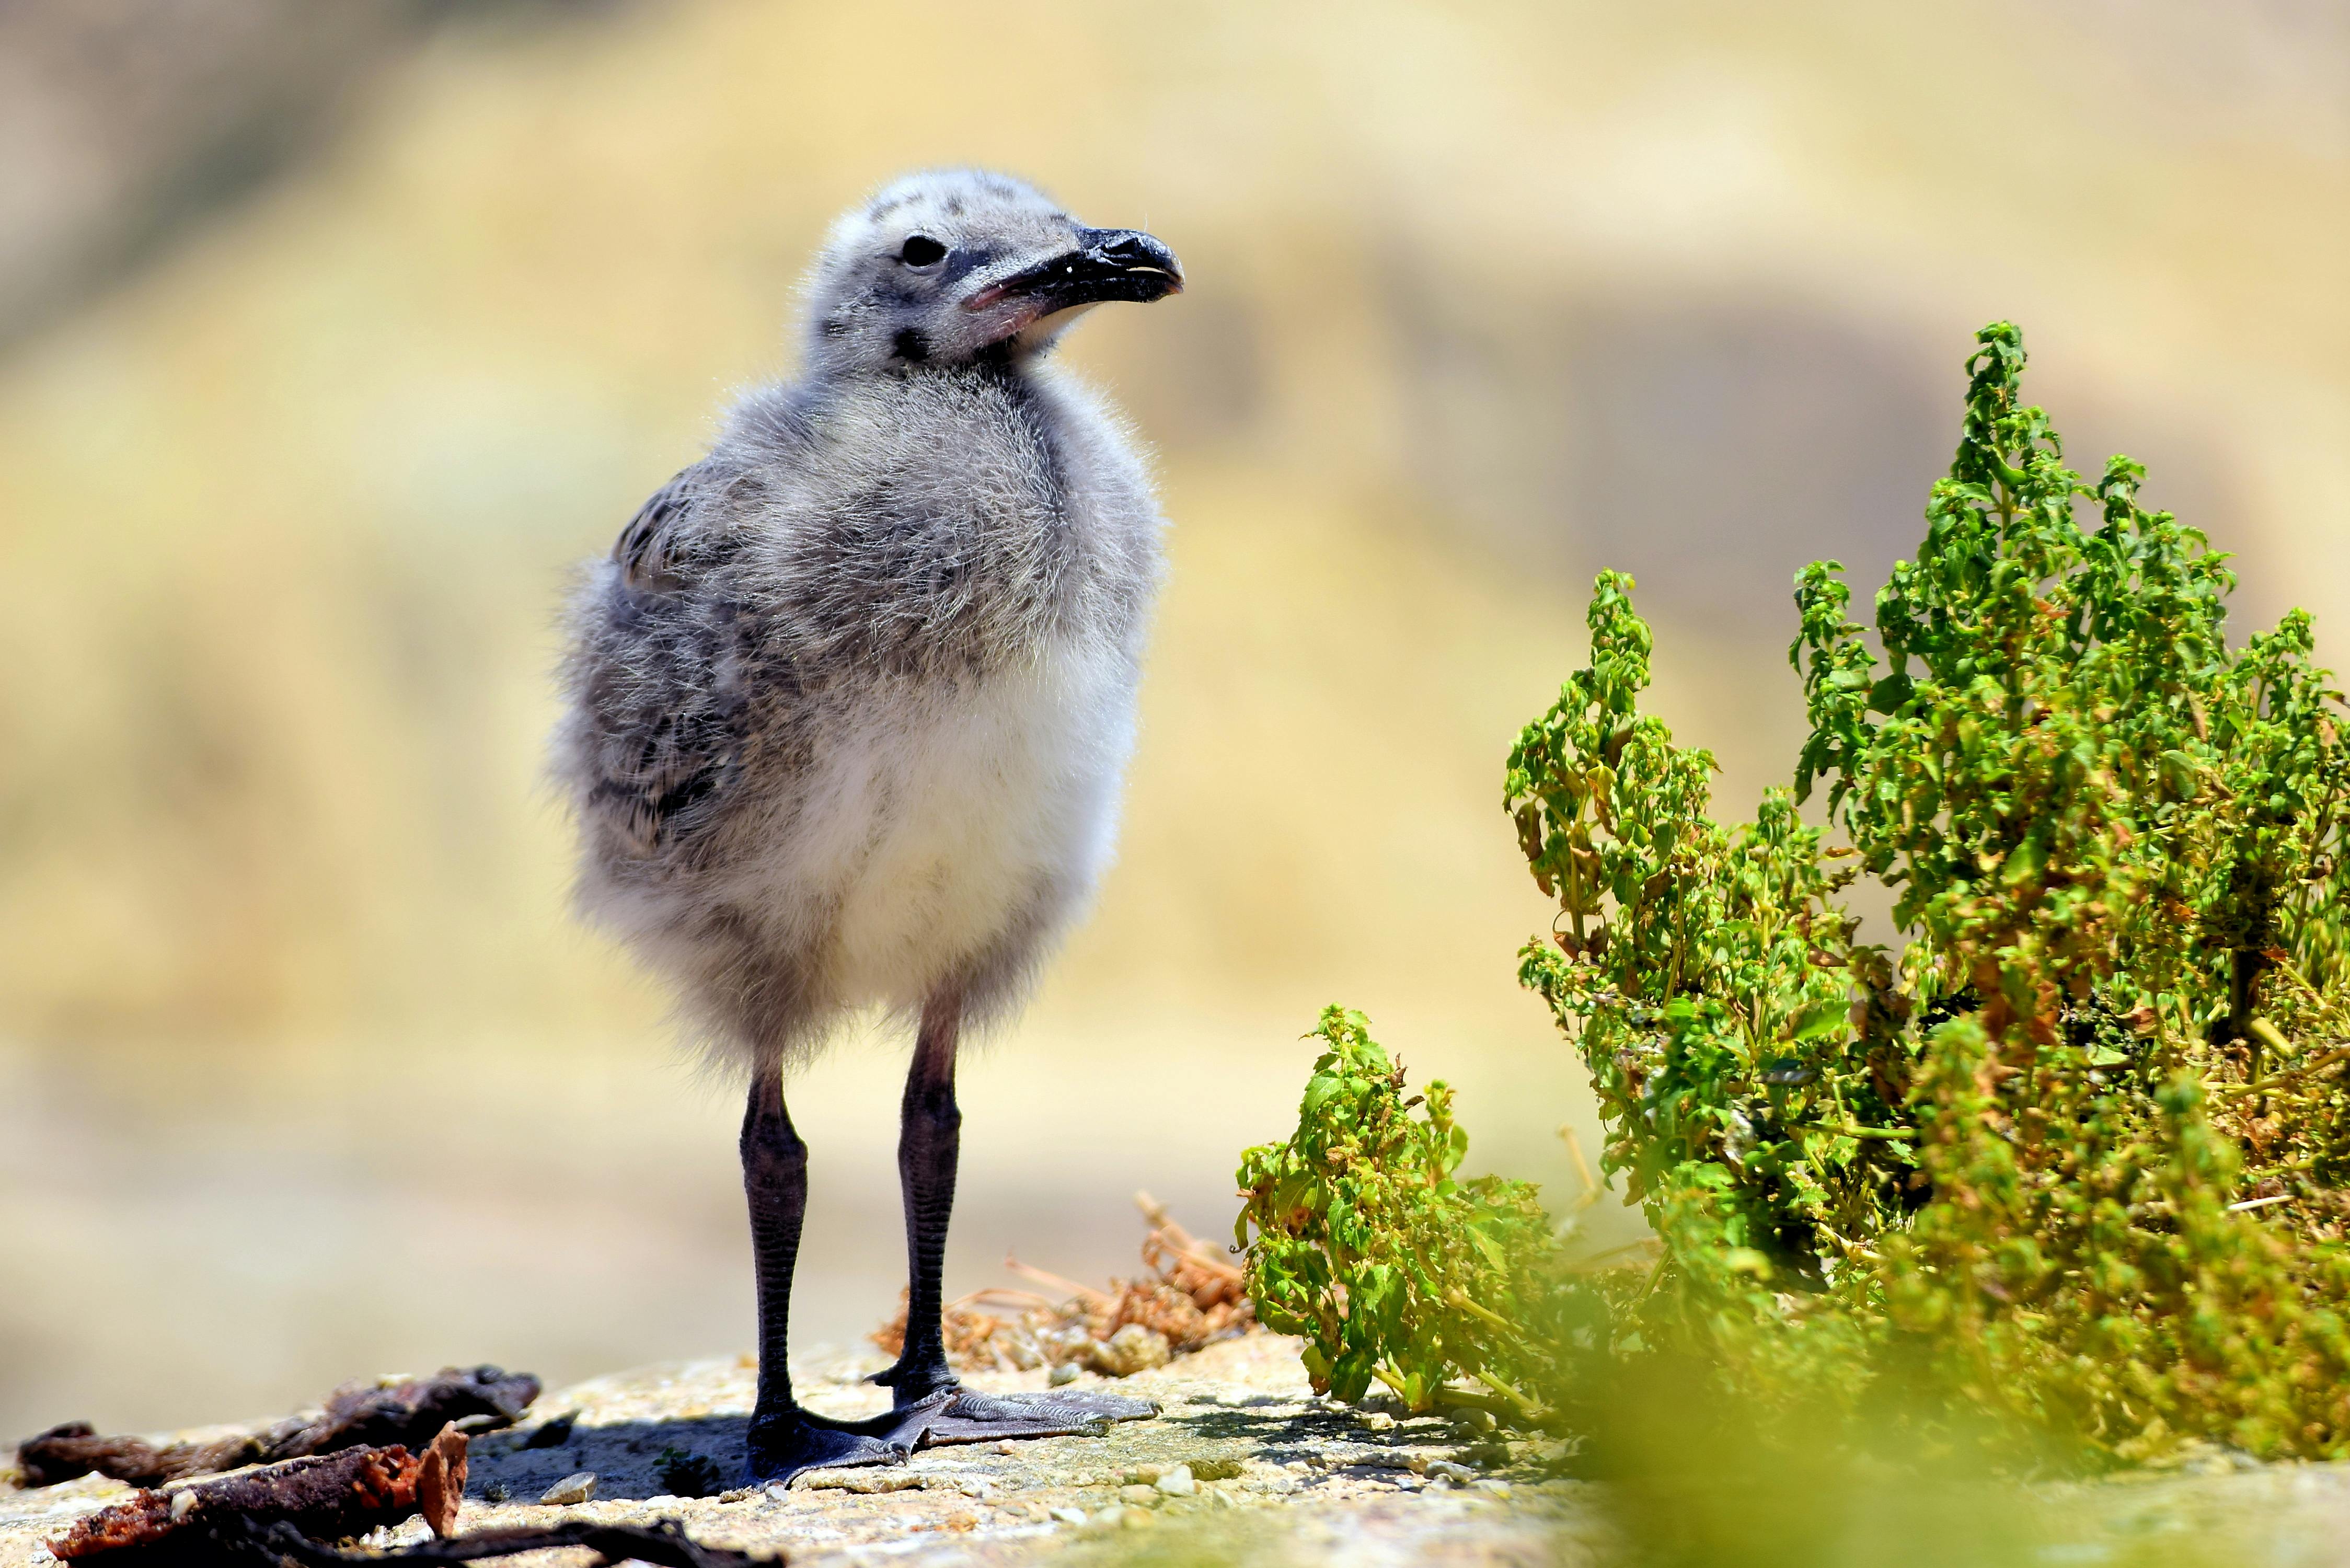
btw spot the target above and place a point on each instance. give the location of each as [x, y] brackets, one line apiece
[1243, 1464]
[1242, 1458]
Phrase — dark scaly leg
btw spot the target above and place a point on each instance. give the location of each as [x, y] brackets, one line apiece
[785, 1438]
[931, 1401]
[929, 1142]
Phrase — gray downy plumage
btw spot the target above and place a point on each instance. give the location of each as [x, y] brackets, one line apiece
[850, 704]
[851, 701]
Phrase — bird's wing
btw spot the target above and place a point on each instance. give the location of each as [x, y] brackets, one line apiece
[654, 547]
[662, 683]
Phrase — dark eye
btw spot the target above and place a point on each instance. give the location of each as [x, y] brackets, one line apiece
[920, 250]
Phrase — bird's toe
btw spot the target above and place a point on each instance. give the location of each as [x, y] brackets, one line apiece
[781, 1449]
[971, 1417]
[915, 1383]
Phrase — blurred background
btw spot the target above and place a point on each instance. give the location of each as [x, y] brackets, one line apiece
[332, 336]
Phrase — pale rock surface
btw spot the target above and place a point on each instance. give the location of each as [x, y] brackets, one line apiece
[1300, 1479]
[1277, 1475]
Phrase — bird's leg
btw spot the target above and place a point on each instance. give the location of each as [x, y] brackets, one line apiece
[929, 1143]
[930, 1405]
[929, 1401]
[785, 1438]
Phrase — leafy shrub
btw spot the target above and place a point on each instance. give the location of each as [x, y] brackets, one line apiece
[1390, 1267]
[1705, 972]
[2075, 1151]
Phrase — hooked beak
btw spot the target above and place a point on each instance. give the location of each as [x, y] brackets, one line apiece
[1108, 264]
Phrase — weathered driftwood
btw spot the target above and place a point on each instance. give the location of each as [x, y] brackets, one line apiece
[295, 1510]
[476, 1398]
[358, 1415]
[328, 1496]
[663, 1544]
[77, 1448]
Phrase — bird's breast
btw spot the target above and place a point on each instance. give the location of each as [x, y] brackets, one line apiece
[942, 818]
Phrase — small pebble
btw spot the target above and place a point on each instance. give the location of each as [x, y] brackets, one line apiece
[1139, 1495]
[1445, 1470]
[1376, 1421]
[1133, 1348]
[1063, 1375]
[963, 1518]
[1177, 1482]
[570, 1490]
[1069, 1515]
[1134, 1518]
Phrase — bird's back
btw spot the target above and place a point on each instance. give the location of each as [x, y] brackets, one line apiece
[851, 701]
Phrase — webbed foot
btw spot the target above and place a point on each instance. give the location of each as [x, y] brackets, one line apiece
[960, 1416]
[783, 1446]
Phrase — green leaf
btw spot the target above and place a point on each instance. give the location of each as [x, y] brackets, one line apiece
[1821, 1018]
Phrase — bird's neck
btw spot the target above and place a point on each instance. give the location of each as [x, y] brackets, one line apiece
[1012, 356]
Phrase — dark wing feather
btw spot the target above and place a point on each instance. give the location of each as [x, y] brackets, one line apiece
[663, 679]
[652, 548]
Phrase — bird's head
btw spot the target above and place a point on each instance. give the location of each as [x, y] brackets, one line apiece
[960, 265]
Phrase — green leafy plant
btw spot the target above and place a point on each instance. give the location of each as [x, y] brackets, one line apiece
[1705, 973]
[2075, 1153]
[1392, 1269]
[2117, 847]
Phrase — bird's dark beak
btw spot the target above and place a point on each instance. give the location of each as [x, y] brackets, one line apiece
[1108, 264]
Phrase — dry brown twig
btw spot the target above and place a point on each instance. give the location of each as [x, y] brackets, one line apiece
[328, 1495]
[297, 1511]
[1190, 1298]
[366, 1413]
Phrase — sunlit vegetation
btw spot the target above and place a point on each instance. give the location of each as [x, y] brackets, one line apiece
[2068, 1159]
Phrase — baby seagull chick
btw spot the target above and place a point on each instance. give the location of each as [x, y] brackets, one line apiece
[848, 709]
